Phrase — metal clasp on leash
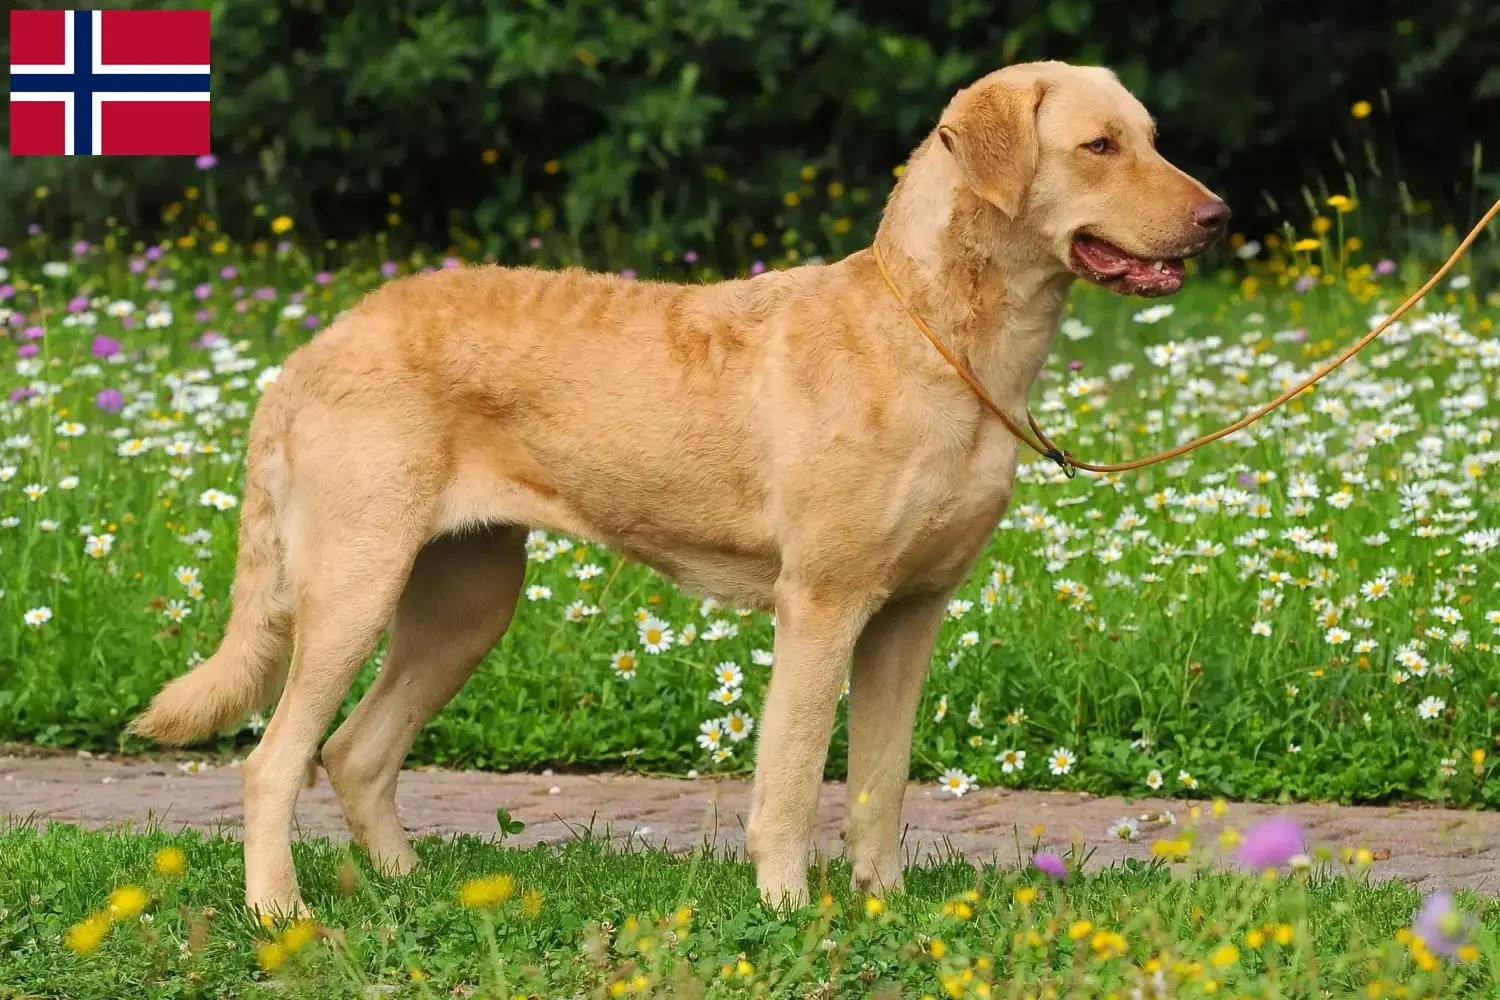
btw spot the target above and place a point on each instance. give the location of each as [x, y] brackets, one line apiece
[1064, 461]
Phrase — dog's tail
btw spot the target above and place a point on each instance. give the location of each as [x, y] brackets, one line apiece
[246, 671]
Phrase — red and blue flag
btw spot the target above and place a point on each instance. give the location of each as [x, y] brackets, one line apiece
[109, 83]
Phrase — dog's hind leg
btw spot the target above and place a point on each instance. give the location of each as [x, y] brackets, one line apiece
[357, 517]
[457, 604]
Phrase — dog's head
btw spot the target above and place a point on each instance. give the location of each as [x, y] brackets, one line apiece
[1069, 154]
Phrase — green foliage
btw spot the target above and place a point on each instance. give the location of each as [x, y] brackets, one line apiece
[586, 920]
[625, 130]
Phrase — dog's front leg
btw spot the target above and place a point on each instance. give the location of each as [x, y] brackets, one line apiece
[816, 629]
[890, 666]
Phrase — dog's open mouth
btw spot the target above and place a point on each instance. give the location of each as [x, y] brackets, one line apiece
[1106, 264]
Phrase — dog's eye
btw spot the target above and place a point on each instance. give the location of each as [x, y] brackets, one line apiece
[1097, 146]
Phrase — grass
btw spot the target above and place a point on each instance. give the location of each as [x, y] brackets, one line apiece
[585, 920]
[1305, 611]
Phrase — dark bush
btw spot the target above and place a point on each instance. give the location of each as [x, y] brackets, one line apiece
[629, 127]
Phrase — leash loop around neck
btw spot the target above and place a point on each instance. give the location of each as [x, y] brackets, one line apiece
[1044, 446]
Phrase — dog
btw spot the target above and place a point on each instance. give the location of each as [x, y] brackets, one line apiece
[788, 441]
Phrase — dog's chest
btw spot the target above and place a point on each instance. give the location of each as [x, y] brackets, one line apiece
[952, 518]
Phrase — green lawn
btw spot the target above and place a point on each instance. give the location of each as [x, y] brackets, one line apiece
[591, 922]
[1307, 611]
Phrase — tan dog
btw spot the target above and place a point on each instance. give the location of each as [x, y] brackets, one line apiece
[790, 441]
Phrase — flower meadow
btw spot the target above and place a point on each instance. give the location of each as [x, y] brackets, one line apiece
[157, 915]
[1307, 609]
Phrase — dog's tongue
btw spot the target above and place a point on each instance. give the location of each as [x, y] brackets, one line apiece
[1109, 261]
[1105, 257]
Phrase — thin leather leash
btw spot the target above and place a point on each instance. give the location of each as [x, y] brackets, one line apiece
[1044, 446]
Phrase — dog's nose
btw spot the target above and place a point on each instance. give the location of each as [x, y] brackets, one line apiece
[1212, 215]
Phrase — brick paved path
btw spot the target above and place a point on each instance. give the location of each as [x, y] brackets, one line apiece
[1442, 846]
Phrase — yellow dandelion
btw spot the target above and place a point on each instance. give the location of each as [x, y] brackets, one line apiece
[170, 861]
[1224, 956]
[297, 936]
[1321, 225]
[531, 903]
[1361, 109]
[1107, 943]
[1170, 848]
[490, 156]
[1079, 929]
[791, 199]
[874, 907]
[271, 956]
[84, 938]
[1306, 244]
[127, 901]
[492, 890]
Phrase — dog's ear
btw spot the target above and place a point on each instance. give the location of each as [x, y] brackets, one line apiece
[991, 133]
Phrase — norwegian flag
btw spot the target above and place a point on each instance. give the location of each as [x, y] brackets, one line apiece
[111, 83]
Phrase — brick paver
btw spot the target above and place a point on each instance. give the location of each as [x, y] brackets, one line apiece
[1439, 846]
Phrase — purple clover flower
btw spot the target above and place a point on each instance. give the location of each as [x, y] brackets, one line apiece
[27, 351]
[207, 161]
[105, 347]
[388, 269]
[1050, 864]
[109, 400]
[1271, 843]
[1441, 926]
[1385, 266]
